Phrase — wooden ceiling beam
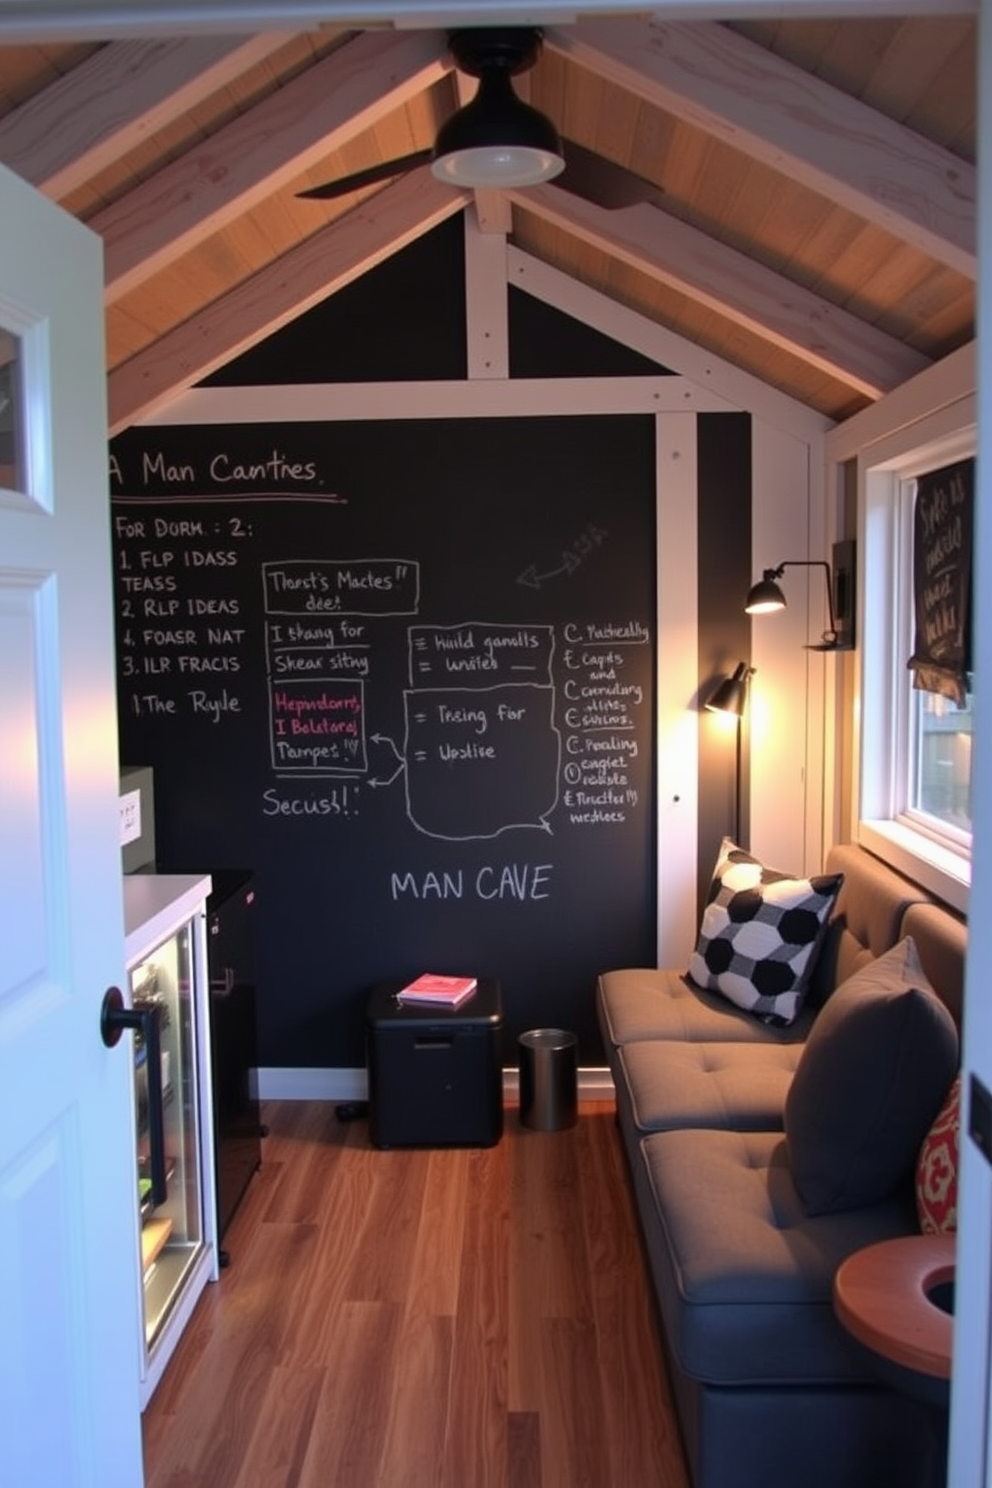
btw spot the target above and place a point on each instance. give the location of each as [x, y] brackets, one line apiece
[316, 268]
[492, 212]
[258, 152]
[763, 105]
[117, 99]
[734, 286]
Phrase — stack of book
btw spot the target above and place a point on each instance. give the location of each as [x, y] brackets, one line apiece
[432, 990]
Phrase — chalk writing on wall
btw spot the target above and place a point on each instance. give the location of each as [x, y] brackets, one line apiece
[413, 691]
[481, 750]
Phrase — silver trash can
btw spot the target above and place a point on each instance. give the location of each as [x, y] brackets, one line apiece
[548, 1079]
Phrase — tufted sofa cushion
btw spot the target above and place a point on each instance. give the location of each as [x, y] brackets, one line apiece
[738, 1087]
[644, 1003]
[743, 1275]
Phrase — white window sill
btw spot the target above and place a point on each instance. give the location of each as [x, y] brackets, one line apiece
[938, 870]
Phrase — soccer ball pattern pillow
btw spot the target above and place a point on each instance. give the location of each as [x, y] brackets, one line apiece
[759, 934]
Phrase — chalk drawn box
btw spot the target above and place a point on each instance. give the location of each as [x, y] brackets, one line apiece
[435, 1075]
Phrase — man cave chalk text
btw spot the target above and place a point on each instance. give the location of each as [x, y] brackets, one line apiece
[520, 881]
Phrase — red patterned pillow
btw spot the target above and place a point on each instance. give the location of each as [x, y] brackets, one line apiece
[937, 1169]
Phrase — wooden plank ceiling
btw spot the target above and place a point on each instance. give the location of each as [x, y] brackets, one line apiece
[812, 219]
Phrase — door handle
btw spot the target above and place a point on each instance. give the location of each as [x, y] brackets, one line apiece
[115, 1019]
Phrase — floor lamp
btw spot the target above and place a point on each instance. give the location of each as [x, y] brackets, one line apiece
[730, 698]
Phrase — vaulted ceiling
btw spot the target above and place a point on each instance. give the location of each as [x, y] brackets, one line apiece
[805, 189]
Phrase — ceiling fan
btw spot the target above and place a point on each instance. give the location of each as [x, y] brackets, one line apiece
[498, 140]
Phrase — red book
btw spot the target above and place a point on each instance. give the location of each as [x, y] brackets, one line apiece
[438, 991]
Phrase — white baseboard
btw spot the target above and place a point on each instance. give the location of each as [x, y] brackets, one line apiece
[595, 1083]
[312, 1084]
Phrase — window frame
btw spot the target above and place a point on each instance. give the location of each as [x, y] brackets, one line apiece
[923, 852]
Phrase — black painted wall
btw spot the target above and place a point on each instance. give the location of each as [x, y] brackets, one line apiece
[407, 675]
[406, 321]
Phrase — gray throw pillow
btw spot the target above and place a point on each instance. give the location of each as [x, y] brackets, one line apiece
[872, 1075]
[760, 934]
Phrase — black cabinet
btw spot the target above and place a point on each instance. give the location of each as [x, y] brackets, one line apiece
[234, 1038]
[435, 1074]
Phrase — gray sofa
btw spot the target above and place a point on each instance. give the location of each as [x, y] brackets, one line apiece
[770, 1390]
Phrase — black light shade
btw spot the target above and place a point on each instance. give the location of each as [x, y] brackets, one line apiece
[731, 694]
[765, 596]
[497, 140]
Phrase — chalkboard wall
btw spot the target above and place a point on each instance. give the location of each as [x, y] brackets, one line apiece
[405, 672]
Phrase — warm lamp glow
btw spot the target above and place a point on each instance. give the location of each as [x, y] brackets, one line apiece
[728, 702]
[724, 721]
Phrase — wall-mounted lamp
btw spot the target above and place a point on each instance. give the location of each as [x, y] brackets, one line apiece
[730, 697]
[766, 596]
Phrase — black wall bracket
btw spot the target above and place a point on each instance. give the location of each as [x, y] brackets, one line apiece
[980, 1117]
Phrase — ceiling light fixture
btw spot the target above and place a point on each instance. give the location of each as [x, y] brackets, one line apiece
[496, 139]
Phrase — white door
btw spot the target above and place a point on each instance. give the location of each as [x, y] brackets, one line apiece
[69, 1321]
[971, 1401]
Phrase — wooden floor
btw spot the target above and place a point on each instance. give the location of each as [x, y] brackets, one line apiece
[423, 1319]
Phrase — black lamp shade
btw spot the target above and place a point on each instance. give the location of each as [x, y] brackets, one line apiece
[765, 596]
[731, 695]
[497, 140]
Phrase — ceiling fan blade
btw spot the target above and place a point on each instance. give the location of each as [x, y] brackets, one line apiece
[384, 171]
[603, 182]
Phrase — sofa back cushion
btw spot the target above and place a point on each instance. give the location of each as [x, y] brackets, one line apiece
[872, 1075]
[941, 938]
[867, 920]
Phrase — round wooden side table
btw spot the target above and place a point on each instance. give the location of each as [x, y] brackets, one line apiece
[896, 1298]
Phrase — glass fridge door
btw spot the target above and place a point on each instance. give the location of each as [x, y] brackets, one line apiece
[172, 1232]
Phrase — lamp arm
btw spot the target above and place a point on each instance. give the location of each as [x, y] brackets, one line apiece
[777, 573]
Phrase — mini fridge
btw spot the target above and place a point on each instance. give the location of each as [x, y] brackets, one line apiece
[165, 926]
[233, 1039]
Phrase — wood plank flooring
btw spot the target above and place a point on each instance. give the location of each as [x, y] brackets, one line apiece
[451, 1318]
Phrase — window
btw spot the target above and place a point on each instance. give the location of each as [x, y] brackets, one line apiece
[915, 769]
[940, 778]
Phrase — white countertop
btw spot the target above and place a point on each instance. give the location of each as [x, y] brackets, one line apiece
[155, 905]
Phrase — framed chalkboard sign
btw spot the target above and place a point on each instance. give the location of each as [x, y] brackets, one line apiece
[404, 671]
[942, 562]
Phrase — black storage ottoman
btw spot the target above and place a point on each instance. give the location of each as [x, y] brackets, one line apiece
[435, 1075]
